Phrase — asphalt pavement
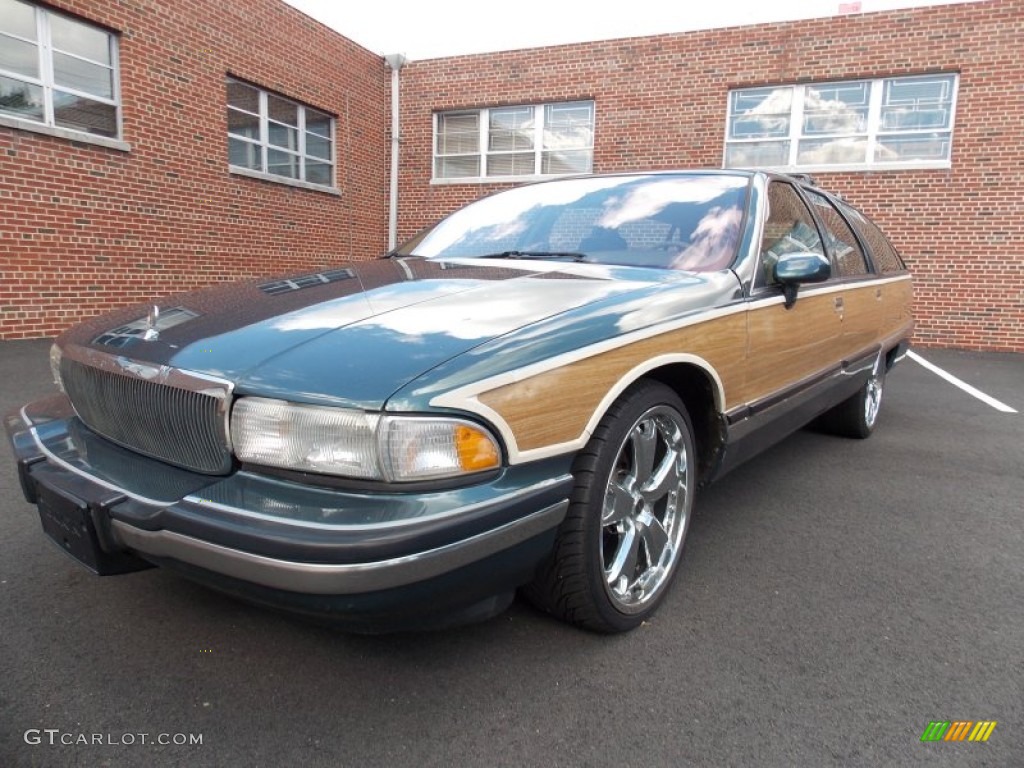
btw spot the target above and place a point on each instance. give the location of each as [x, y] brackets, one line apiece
[835, 597]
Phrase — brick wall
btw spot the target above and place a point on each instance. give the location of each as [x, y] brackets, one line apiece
[85, 228]
[661, 103]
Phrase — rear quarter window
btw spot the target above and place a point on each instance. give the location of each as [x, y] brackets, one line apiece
[886, 259]
[842, 243]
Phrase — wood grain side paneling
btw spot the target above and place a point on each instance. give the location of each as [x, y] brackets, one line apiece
[787, 345]
[755, 353]
[555, 406]
[873, 313]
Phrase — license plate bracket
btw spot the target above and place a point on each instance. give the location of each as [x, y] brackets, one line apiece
[70, 524]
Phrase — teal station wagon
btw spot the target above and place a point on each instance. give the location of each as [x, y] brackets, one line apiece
[526, 395]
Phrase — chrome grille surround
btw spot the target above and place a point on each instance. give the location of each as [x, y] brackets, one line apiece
[176, 416]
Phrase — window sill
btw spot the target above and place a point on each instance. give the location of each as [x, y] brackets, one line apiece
[505, 179]
[64, 133]
[274, 179]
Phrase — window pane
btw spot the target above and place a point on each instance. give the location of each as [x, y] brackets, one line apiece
[243, 96]
[917, 146]
[511, 129]
[282, 110]
[789, 229]
[83, 76]
[573, 161]
[757, 154]
[569, 126]
[83, 114]
[282, 163]
[832, 151]
[19, 57]
[760, 113]
[457, 167]
[79, 39]
[458, 134]
[318, 173]
[21, 99]
[244, 154]
[318, 122]
[243, 124]
[910, 103]
[519, 164]
[836, 108]
[911, 120]
[842, 244]
[283, 136]
[17, 18]
[885, 256]
[318, 146]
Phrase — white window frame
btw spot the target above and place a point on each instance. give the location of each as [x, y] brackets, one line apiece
[484, 141]
[264, 146]
[46, 81]
[872, 135]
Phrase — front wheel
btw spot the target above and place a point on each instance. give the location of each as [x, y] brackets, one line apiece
[622, 539]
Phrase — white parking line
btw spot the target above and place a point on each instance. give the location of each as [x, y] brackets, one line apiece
[987, 399]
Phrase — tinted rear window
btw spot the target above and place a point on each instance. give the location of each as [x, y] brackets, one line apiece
[884, 255]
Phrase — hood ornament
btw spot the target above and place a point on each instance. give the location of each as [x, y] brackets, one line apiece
[141, 370]
[152, 332]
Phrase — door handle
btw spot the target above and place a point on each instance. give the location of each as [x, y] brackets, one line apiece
[838, 304]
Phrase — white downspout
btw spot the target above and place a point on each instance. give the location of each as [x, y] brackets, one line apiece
[396, 61]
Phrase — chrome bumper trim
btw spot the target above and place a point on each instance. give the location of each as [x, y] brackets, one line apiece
[506, 498]
[336, 579]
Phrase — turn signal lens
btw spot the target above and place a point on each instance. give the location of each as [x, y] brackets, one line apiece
[477, 450]
[426, 448]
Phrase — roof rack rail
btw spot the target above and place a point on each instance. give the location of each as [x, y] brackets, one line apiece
[806, 178]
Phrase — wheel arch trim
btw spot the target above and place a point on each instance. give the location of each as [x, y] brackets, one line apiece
[471, 403]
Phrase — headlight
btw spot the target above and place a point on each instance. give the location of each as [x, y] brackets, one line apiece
[339, 441]
[55, 357]
[305, 437]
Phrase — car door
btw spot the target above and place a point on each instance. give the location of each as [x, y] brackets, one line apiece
[894, 290]
[858, 300]
[788, 348]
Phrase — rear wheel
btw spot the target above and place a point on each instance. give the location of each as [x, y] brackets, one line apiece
[856, 416]
[620, 544]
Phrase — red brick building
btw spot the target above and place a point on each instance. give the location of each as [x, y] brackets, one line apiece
[915, 116]
[94, 216]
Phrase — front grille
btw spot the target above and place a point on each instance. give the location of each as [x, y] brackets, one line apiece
[177, 425]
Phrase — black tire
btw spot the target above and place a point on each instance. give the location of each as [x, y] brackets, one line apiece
[857, 416]
[648, 421]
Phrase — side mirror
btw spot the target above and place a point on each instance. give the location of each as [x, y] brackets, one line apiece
[794, 269]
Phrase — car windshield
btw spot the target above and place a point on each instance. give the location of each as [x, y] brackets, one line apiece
[668, 221]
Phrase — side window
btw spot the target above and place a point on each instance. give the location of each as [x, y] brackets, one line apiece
[886, 259]
[842, 243]
[790, 228]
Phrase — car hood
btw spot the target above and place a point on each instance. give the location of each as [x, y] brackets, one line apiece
[354, 335]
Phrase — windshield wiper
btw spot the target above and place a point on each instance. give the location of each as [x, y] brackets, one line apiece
[537, 255]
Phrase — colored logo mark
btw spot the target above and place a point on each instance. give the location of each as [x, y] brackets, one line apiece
[958, 730]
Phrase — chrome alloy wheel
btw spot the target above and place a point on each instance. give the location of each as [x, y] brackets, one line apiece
[646, 509]
[872, 399]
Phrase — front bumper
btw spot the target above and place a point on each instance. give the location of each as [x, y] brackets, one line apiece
[372, 557]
